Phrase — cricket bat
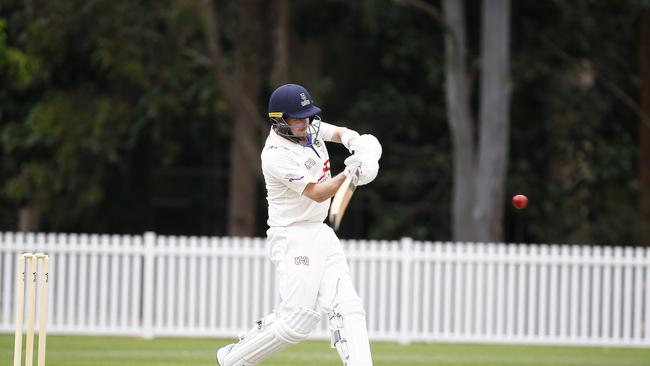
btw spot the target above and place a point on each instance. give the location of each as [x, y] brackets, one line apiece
[342, 198]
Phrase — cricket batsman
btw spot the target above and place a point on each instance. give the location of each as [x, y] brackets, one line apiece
[311, 267]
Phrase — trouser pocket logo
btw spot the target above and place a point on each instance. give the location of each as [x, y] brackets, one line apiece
[301, 259]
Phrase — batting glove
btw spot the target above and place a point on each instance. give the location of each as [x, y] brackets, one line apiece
[351, 163]
[368, 168]
[366, 145]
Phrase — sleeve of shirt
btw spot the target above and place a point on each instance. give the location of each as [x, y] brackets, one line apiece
[282, 168]
[327, 131]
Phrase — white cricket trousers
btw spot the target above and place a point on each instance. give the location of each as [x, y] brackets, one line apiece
[312, 272]
[309, 263]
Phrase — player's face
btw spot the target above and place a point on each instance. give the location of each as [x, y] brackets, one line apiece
[299, 127]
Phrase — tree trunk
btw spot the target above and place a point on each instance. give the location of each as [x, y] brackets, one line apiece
[29, 218]
[241, 90]
[494, 120]
[243, 181]
[644, 125]
[280, 68]
[460, 120]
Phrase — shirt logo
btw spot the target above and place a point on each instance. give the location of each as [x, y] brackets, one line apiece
[301, 259]
[292, 177]
[326, 171]
[310, 163]
[303, 100]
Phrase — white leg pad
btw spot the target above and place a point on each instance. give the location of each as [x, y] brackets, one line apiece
[349, 334]
[271, 336]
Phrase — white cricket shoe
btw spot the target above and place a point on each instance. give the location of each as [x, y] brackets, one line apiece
[222, 352]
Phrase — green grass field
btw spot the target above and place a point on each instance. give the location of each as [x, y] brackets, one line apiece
[99, 351]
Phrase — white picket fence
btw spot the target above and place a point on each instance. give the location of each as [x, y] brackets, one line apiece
[152, 286]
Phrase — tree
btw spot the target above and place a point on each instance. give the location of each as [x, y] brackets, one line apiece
[100, 100]
[479, 171]
[575, 121]
[241, 88]
[159, 159]
[489, 182]
[20, 73]
[280, 64]
[644, 125]
[461, 122]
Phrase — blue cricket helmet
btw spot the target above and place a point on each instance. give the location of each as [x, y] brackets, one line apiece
[293, 101]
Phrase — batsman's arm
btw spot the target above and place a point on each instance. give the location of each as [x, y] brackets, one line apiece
[320, 192]
[344, 136]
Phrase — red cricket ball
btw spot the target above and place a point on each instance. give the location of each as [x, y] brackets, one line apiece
[520, 201]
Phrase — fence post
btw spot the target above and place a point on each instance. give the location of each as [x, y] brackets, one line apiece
[405, 290]
[148, 283]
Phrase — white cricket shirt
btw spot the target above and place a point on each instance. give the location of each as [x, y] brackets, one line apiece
[288, 167]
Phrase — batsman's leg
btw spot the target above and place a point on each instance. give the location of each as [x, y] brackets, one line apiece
[299, 266]
[347, 318]
[348, 326]
[270, 336]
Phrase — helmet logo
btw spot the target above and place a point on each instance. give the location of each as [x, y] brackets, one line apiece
[303, 100]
